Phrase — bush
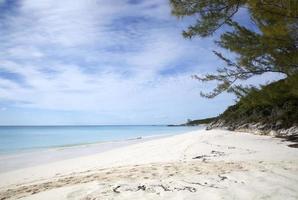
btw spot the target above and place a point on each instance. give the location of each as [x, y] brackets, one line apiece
[276, 103]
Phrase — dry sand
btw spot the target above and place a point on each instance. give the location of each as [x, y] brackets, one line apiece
[212, 164]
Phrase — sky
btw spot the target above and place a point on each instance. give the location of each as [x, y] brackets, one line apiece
[101, 62]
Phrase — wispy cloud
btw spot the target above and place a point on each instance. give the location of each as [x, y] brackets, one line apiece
[122, 60]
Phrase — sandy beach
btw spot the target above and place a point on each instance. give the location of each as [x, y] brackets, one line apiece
[214, 164]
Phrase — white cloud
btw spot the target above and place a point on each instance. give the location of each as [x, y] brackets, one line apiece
[80, 56]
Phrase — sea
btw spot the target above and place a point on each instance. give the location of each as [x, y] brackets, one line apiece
[14, 139]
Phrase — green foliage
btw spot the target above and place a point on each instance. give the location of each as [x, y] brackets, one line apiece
[273, 47]
[200, 121]
[276, 103]
[213, 14]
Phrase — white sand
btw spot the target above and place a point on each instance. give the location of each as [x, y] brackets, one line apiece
[227, 165]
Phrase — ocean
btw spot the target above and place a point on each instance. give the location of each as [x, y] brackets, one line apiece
[24, 138]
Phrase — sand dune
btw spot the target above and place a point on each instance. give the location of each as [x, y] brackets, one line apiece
[213, 164]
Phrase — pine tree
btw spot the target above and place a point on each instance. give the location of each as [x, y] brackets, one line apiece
[271, 47]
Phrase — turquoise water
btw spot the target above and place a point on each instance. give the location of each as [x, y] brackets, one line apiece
[19, 138]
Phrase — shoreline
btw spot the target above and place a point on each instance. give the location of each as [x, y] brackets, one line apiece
[37, 156]
[57, 147]
[40, 138]
[215, 164]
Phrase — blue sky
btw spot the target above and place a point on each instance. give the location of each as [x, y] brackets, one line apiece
[101, 62]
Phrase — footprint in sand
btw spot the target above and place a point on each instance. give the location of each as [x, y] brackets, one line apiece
[154, 174]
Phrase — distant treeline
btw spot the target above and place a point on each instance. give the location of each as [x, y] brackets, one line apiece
[199, 121]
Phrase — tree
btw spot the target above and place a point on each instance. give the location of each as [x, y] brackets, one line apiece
[271, 47]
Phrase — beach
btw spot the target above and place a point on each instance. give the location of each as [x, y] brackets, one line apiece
[34, 157]
[214, 164]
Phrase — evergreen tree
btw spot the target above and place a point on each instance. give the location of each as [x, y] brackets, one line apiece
[271, 47]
